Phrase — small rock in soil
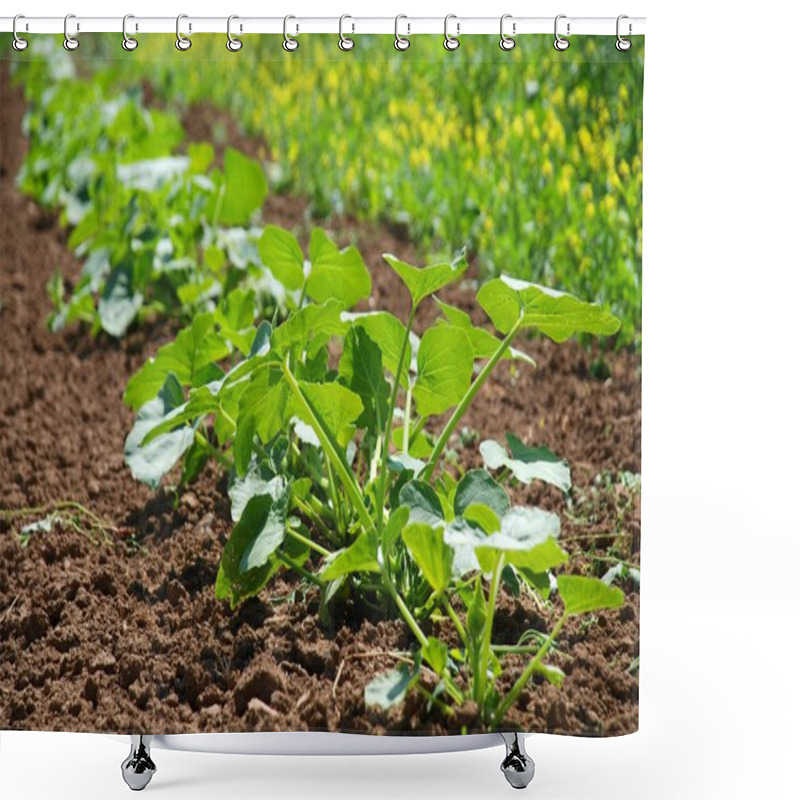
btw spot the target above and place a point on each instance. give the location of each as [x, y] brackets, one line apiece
[259, 680]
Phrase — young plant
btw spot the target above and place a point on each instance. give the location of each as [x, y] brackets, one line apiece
[334, 476]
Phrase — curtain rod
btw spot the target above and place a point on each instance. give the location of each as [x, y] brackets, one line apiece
[456, 26]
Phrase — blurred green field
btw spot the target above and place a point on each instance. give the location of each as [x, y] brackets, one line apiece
[532, 158]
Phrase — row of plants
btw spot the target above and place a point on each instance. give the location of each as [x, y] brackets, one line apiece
[159, 232]
[334, 470]
[531, 158]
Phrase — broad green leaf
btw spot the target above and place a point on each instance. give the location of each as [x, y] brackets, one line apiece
[149, 463]
[260, 344]
[581, 595]
[444, 370]
[423, 503]
[478, 486]
[482, 516]
[424, 281]
[244, 189]
[119, 304]
[420, 446]
[235, 315]
[389, 688]
[432, 555]
[201, 401]
[388, 333]
[281, 254]
[191, 357]
[336, 408]
[361, 556]
[556, 314]
[484, 344]
[310, 327]
[360, 369]
[398, 519]
[264, 409]
[246, 566]
[341, 275]
[258, 480]
[435, 653]
[527, 463]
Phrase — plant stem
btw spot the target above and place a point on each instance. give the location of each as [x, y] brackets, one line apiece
[407, 418]
[486, 644]
[309, 576]
[387, 436]
[344, 472]
[311, 545]
[216, 452]
[402, 607]
[456, 621]
[523, 679]
[466, 401]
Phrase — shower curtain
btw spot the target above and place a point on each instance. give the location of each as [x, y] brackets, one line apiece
[321, 385]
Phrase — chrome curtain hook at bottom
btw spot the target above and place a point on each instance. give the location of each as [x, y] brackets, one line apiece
[345, 42]
[19, 44]
[182, 42]
[290, 44]
[561, 43]
[400, 42]
[233, 44]
[623, 44]
[128, 42]
[507, 42]
[451, 42]
[70, 42]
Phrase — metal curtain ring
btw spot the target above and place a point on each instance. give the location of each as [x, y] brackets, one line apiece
[451, 42]
[561, 43]
[70, 42]
[233, 44]
[128, 42]
[182, 42]
[623, 44]
[290, 44]
[506, 42]
[19, 44]
[345, 42]
[400, 42]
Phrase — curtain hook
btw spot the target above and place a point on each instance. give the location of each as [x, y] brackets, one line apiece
[561, 43]
[507, 42]
[233, 44]
[400, 42]
[70, 42]
[623, 44]
[19, 44]
[182, 42]
[128, 42]
[451, 42]
[290, 44]
[345, 42]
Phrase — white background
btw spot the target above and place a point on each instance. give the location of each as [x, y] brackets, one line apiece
[720, 603]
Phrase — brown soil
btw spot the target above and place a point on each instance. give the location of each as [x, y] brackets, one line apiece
[121, 633]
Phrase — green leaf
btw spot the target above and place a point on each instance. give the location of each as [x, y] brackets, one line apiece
[435, 653]
[360, 369]
[432, 555]
[581, 595]
[341, 275]
[335, 407]
[281, 254]
[389, 688]
[482, 516]
[119, 304]
[398, 519]
[258, 480]
[423, 503]
[244, 188]
[310, 327]
[246, 565]
[388, 333]
[235, 315]
[484, 344]
[556, 314]
[149, 463]
[190, 357]
[424, 281]
[361, 556]
[550, 673]
[527, 463]
[478, 486]
[444, 370]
